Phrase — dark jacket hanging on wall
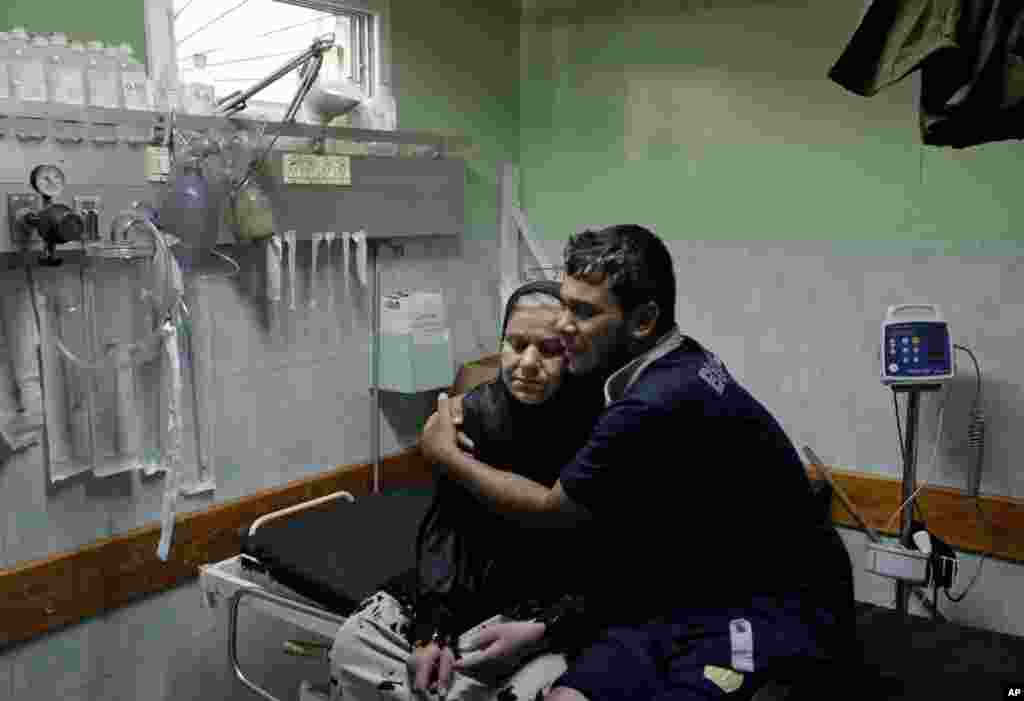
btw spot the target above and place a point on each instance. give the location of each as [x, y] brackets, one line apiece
[971, 57]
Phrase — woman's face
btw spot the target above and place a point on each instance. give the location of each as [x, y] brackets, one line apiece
[532, 353]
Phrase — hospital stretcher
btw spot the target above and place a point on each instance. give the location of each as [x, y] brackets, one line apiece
[312, 564]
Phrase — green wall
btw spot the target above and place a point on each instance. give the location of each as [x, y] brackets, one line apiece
[109, 21]
[457, 70]
[711, 121]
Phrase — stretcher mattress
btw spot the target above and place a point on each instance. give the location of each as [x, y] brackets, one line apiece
[340, 553]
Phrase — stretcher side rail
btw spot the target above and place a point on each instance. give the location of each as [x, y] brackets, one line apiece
[272, 599]
[275, 599]
[265, 518]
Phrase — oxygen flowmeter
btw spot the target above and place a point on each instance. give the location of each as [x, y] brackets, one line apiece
[917, 348]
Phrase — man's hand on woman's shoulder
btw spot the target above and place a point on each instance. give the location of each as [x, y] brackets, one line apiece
[456, 411]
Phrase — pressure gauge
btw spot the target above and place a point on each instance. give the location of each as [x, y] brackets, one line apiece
[47, 180]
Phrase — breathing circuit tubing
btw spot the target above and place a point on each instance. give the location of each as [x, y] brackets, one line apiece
[143, 350]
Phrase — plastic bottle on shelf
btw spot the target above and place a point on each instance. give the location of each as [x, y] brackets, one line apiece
[134, 83]
[17, 41]
[5, 66]
[114, 66]
[65, 73]
[201, 99]
[39, 52]
[78, 57]
[28, 74]
[101, 82]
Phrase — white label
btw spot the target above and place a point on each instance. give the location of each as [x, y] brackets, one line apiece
[714, 374]
[157, 164]
[741, 635]
[394, 315]
[428, 324]
[313, 169]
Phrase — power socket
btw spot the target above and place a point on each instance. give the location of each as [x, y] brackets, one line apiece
[90, 206]
[894, 561]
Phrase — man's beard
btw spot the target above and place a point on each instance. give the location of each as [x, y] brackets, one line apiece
[613, 354]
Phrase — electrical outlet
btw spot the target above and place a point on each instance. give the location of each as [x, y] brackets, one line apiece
[18, 205]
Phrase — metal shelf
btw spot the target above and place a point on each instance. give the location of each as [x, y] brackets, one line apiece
[53, 112]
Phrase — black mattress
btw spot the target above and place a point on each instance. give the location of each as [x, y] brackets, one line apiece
[339, 554]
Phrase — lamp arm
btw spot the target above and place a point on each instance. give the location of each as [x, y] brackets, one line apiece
[236, 101]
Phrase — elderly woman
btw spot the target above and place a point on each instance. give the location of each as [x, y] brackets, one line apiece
[478, 573]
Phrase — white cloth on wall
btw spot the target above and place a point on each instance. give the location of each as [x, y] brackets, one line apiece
[22, 339]
[172, 445]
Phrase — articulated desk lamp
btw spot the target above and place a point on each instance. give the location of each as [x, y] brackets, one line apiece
[325, 103]
[249, 204]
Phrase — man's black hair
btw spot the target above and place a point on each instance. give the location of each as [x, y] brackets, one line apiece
[634, 261]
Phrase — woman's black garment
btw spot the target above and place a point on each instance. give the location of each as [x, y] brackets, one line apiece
[474, 563]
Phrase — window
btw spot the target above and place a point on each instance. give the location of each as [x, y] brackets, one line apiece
[245, 41]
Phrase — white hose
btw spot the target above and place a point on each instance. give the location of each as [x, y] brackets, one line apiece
[147, 348]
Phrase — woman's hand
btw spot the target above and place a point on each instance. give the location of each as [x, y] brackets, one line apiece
[430, 668]
[498, 650]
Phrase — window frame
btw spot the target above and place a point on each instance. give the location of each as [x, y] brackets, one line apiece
[375, 69]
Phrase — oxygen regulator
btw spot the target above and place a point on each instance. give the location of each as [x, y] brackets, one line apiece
[54, 222]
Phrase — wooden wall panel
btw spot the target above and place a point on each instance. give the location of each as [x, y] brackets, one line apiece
[45, 595]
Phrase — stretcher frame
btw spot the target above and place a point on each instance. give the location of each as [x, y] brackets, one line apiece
[228, 579]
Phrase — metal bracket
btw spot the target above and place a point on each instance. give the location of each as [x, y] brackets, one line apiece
[17, 206]
[236, 599]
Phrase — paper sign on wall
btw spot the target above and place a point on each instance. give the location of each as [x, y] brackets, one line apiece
[428, 323]
[415, 342]
[316, 169]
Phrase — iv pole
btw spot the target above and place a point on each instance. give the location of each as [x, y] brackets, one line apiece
[903, 588]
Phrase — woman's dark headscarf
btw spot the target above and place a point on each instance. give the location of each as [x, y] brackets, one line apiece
[465, 559]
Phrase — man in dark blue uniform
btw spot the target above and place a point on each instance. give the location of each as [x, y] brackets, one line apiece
[692, 602]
